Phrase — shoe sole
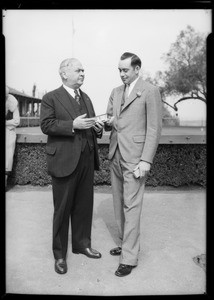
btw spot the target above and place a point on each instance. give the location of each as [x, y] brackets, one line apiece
[61, 273]
[115, 254]
[96, 257]
[118, 252]
[121, 275]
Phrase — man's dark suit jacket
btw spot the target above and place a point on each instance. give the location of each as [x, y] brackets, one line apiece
[63, 145]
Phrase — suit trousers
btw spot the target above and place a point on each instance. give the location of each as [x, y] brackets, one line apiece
[128, 199]
[73, 200]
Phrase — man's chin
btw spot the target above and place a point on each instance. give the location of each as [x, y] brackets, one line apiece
[78, 85]
[124, 81]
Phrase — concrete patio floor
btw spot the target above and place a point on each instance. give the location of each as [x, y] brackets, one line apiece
[172, 233]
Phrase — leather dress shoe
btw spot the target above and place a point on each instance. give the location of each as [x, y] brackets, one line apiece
[116, 251]
[124, 270]
[91, 253]
[60, 266]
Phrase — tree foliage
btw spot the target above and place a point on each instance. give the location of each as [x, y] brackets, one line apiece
[168, 119]
[186, 73]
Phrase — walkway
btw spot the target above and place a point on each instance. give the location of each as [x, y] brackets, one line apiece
[173, 233]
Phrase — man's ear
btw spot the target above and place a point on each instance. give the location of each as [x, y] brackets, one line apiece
[137, 69]
[64, 75]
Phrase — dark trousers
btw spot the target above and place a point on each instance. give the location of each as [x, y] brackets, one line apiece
[73, 199]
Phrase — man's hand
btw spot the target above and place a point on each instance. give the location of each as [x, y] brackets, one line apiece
[144, 167]
[82, 122]
[109, 122]
[98, 126]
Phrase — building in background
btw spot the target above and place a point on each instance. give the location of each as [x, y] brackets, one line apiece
[28, 106]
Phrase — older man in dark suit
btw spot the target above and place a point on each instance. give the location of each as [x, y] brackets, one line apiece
[67, 117]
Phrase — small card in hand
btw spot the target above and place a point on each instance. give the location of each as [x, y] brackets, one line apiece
[136, 173]
[103, 117]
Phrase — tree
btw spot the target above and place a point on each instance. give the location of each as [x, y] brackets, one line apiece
[186, 75]
[167, 117]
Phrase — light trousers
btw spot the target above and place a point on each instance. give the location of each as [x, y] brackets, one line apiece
[128, 199]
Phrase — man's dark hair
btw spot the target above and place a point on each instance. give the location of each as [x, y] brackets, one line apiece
[135, 60]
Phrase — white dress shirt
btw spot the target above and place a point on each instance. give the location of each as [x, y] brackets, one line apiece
[70, 90]
[131, 86]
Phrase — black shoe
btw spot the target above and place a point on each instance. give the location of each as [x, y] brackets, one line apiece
[116, 251]
[124, 270]
[88, 252]
[60, 266]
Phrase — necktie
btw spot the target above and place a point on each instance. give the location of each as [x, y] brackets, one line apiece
[125, 95]
[77, 97]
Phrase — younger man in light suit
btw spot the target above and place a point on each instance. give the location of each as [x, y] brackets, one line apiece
[135, 125]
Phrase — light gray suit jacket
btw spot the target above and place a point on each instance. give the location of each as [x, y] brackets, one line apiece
[137, 127]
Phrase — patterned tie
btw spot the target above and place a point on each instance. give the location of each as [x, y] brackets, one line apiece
[77, 96]
[125, 95]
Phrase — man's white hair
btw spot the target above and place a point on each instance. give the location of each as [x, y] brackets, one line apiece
[65, 64]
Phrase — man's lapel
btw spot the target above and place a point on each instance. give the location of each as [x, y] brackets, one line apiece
[64, 99]
[119, 99]
[87, 103]
[135, 93]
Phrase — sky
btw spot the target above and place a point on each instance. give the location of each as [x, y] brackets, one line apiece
[37, 41]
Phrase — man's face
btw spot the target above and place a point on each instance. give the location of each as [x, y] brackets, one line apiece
[74, 74]
[127, 73]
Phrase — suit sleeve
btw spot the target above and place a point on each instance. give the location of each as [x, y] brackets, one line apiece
[50, 125]
[109, 111]
[154, 124]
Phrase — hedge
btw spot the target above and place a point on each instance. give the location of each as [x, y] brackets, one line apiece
[29, 122]
[174, 165]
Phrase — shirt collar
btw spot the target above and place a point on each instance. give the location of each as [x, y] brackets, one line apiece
[70, 90]
[131, 86]
[133, 83]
